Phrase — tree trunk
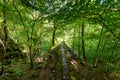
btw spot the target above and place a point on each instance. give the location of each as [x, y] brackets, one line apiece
[79, 43]
[5, 32]
[83, 46]
[96, 58]
[73, 45]
[2, 57]
[53, 35]
[104, 45]
[5, 20]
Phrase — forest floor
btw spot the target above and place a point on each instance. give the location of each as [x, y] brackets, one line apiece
[20, 70]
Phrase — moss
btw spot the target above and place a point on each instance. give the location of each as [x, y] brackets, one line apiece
[71, 72]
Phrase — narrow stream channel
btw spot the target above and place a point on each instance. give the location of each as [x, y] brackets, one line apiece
[65, 75]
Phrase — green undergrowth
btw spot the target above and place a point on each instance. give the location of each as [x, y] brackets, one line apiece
[20, 70]
[14, 70]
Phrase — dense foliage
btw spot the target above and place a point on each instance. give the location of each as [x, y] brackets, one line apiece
[90, 27]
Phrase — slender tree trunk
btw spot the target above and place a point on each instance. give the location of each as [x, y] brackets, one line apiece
[110, 58]
[53, 35]
[73, 45]
[3, 53]
[5, 20]
[83, 46]
[79, 43]
[5, 32]
[31, 57]
[97, 49]
[104, 25]
[31, 44]
[104, 45]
